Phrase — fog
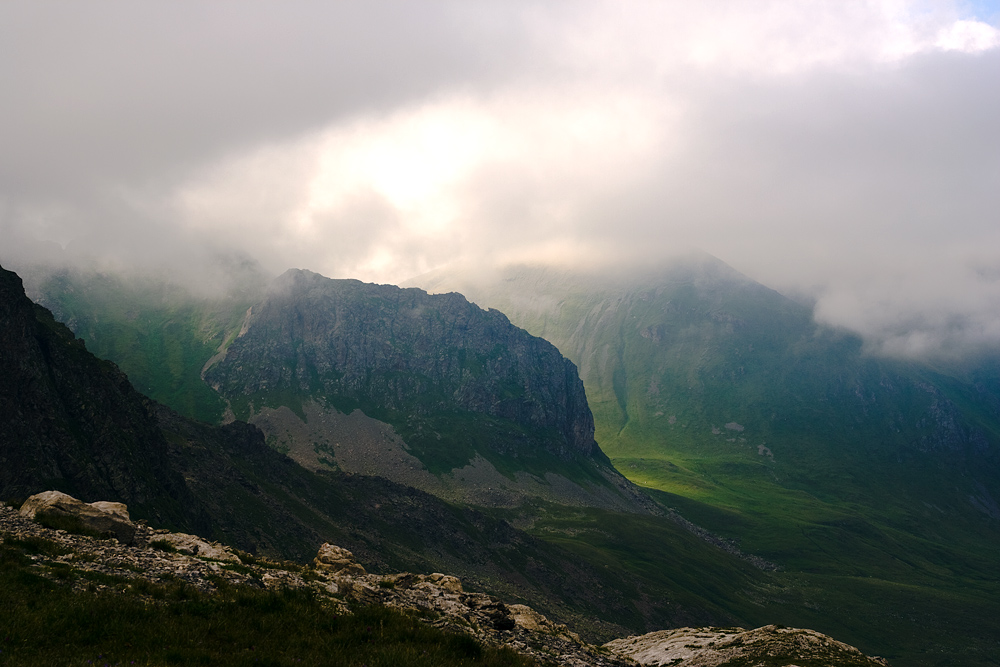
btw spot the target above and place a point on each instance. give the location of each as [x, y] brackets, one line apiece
[844, 152]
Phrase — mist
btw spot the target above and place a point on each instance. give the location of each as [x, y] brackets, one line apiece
[844, 152]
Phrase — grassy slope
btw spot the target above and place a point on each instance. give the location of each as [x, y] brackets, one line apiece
[858, 495]
[238, 626]
[158, 334]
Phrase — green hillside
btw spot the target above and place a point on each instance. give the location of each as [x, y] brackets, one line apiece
[159, 334]
[871, 482]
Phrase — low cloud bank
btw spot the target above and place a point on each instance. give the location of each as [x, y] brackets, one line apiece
[842, 151]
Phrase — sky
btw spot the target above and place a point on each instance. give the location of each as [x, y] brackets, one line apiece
[843, 151]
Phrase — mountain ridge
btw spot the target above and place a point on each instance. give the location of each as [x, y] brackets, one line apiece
[70, 420]
[509, 413]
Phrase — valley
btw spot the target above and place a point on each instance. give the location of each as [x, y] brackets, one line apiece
[866, 479]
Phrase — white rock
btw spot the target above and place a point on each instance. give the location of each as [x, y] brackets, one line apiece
[114, 519]
[192, 545]
[708, 647]
[446, 582]
[337, 559]
[118, 509]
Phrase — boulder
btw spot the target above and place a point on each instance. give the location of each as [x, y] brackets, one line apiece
[771, 644]
[102, 517]
[118, 509]
[529, 619]
[337, 559]
[192, 545]
[445, 582]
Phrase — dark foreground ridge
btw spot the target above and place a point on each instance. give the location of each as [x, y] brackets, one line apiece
[73, 422]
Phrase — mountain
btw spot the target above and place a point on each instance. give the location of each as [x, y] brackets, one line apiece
[157, 332]
[403, 352]
[818, 485]
[872, 482]
[231, 486]
[428, 391]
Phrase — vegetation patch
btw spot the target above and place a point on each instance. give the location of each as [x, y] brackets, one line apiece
[44, 623]
[163, 545]
[34, 545]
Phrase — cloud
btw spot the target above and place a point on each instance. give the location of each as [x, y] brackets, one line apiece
[845, 150]
[968, 37]
[391, 196]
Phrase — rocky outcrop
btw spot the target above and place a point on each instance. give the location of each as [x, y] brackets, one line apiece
[406, 352]
[715, 647]
[141, 561]
[102, 517]
[438, 599]
[332, 558]
[192, 545]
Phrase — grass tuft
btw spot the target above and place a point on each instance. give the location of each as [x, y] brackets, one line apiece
[163, 545]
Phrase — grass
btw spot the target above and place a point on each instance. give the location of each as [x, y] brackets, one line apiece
[31, 544]
[907, 604]
[670, 566]
[163, 545]
[446, 440]
[46, 623]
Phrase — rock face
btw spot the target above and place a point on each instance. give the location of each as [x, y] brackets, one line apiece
[713, 647]
[404, 351]
[69, 420]
[101, 517]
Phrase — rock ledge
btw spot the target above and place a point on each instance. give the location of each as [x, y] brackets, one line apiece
[159, 557]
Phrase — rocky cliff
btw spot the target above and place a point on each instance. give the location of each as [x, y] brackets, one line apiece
[396, 352]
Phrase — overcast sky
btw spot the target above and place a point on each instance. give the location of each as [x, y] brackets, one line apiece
[848, 150]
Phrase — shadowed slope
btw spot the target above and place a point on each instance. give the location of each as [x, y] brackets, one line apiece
[72, 422]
